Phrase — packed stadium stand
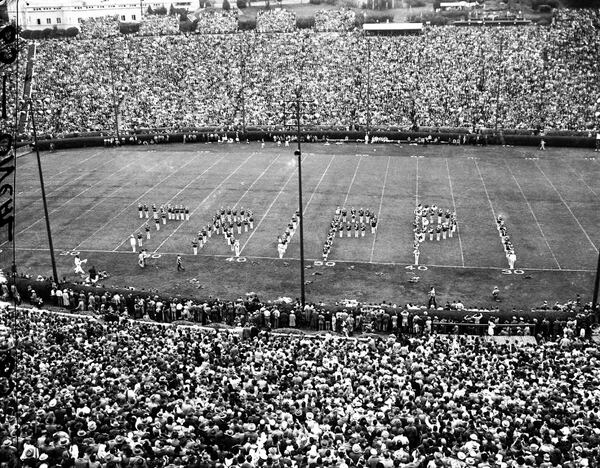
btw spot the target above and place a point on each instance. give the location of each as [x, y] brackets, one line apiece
[100, 379]
[513, 78]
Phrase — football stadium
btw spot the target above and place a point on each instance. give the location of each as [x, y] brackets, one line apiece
[340, 234]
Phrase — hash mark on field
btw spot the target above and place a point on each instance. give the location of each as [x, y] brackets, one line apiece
[270, 206]
[462, 255]
[533, 214]
[567, 206]
[203, 200]
[387, 170]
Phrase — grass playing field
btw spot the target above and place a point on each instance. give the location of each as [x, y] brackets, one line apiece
[550, 201]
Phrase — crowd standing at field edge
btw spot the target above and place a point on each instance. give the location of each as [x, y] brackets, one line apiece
[129, 394]
[408, 319]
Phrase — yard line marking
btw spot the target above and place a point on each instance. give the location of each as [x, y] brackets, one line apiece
[318, 185]
[100, 181]
[354, 262]
[417, 185]
[137, 199]
[173, 197]
[257, 179]
[462, 255]
[533, 213]
[72, 180]
[567, 206]
[352, 181]
[270, 206]
[61, 172]
[104, 198]
[387, 170]
[584, 182]
[488, 198]
[203, 200]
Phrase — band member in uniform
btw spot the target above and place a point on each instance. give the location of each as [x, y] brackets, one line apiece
[373, 224]
[78, 262]
[132, 243]
[142, 258]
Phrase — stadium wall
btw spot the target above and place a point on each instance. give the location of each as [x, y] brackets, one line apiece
[379, 136]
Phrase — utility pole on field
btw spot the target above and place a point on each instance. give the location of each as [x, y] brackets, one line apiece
[32, 112]
[294, 108]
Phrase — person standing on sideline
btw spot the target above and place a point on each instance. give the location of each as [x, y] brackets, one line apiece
[180, 263]
[542, 145]
[432, 299]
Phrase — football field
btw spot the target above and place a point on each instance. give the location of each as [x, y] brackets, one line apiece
[550, 202]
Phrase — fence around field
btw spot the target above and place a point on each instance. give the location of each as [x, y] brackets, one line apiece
[443, 321]
[450, 136]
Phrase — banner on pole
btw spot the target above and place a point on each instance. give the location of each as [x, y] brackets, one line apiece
[7, 167]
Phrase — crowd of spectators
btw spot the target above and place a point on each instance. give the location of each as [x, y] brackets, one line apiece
[99, 28]
[529, 78]
[275, 21]
[159, 25]
[345, 319]
[15, 74]
[335, 20]
[212, 21]
[125, 393]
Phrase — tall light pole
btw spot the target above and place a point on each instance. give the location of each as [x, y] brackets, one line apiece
[37, 152]
[597, 280]
[500, 79]
[596, 286]
[296, 105]
[114, 97]
[368, 85]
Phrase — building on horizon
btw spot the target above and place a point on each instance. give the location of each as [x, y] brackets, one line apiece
[63, 14]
